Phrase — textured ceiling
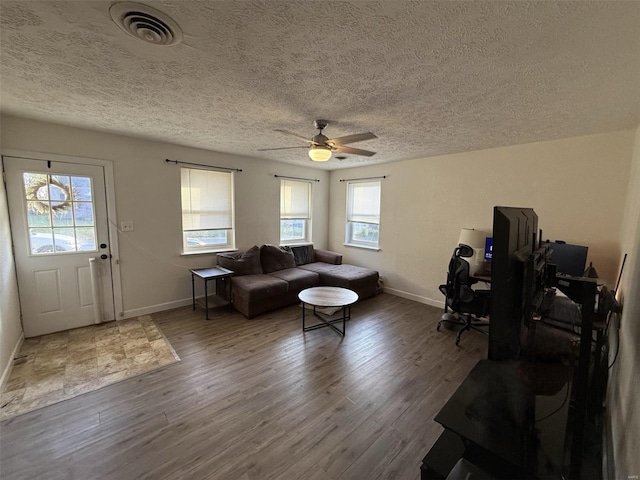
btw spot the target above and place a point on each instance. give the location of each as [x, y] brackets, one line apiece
[427, 78]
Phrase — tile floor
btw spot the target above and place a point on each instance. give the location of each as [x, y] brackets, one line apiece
[63, 365]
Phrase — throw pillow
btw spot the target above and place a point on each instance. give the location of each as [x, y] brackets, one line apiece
[274, 258]
[242, 263]
[303, 254]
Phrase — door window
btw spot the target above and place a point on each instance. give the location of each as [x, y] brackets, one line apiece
[60, 213]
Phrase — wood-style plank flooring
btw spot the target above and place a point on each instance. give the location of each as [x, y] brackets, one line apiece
[258, 399]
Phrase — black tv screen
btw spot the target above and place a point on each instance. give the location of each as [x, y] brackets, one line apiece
[569, 259]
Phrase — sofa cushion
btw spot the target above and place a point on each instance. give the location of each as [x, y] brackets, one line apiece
[347, 276]
[303, 254]
[274, 258]
[242, 263]
[297, 278]
[258, 287]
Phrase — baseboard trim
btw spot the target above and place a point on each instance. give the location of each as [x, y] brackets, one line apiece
[415, 298]
[7, 370]
[161, 307]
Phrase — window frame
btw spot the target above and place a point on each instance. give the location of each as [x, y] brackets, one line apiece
[305, 218]
[351, 217]
[229, 230]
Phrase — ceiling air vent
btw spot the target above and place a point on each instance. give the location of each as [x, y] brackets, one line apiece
[146, 23]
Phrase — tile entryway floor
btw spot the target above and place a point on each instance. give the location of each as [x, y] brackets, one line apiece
[63, 365]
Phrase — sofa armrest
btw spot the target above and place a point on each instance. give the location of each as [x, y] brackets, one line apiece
[328, 257]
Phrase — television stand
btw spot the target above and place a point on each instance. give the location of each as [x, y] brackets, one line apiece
[496, 420]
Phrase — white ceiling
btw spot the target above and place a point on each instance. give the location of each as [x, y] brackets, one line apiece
[427, 78]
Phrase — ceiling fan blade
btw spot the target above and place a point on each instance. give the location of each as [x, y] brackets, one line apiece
[294, 134]
[280, 148]
[354, 151]
[356, 137]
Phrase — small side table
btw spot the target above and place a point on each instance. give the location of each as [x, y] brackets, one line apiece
[218, 274]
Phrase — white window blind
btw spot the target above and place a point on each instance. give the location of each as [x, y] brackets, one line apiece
[363, 205]
[207, 200]
[294, 200]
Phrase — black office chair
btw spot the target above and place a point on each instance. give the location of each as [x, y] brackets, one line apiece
[467, 303]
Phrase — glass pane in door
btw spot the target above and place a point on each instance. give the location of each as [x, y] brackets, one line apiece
[60, 213]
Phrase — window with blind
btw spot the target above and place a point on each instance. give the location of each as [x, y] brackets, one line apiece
[363, 214]
[295, 212]
[207, 210]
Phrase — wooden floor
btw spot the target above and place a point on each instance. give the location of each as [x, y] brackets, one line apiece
[258, 399]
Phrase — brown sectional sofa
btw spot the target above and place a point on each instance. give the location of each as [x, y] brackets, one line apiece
[271, 277]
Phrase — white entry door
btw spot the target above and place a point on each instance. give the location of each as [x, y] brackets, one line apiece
[58, 216]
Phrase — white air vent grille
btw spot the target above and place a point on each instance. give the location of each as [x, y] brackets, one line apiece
[146, 23]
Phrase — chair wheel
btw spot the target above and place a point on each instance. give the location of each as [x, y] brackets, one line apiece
[438, 327]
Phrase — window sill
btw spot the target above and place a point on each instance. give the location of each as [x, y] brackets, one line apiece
[296, 244]
[207, 252]
[365, 247]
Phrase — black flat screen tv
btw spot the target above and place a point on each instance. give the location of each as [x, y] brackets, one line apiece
[514, 229]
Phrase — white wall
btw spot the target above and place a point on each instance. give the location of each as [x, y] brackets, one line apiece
[10, 326]
[623, 400]
[154, 274]
[577, 187]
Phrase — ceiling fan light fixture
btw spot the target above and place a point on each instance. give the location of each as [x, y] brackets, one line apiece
[319, 153]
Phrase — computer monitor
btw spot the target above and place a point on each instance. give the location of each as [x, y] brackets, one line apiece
[569, 259]
[488, 249]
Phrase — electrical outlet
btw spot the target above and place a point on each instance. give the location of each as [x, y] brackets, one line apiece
[126, 226]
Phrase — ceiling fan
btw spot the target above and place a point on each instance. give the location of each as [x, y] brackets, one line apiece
[320, 147]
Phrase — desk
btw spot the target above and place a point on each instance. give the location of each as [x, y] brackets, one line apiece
[480, 278]
[207, 274]
[496, 420]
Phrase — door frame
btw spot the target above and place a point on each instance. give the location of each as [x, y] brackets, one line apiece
[112, 220]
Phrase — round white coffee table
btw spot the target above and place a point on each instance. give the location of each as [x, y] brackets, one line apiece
[339, 297]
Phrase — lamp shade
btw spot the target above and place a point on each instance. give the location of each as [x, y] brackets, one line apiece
[319, 153]
[475, 239]
[471, 237]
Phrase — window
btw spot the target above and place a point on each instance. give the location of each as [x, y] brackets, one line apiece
[207, 210]
[60, 213]
[295, 212]
[363, 214]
